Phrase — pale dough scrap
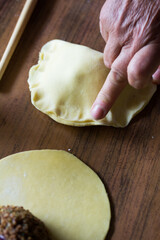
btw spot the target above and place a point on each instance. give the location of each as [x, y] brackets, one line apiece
[60, 190]
[66, 81]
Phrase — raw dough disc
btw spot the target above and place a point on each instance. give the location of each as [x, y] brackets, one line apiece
[60, 190]
[67, 80]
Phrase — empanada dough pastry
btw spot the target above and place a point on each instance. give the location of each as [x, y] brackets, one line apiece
[60, 190]
[66, 81]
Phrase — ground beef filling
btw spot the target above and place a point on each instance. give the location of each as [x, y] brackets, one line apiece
[19, 224]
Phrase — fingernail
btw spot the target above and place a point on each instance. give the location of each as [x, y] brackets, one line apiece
[156, 75]
[98, 112]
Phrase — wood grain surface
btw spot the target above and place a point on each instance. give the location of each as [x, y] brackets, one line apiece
[127, 160]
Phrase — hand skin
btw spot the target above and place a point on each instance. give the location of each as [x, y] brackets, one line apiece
[131, 30]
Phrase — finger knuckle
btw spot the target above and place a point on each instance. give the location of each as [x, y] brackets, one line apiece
[118, 77]
[102, 18]
[110, 54]
[107, 62]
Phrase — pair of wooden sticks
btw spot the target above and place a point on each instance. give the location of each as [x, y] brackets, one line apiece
[15, 37]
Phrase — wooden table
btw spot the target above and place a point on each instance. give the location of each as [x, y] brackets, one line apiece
[127, 160]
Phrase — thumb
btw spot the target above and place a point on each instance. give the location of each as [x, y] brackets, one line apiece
[156, 76]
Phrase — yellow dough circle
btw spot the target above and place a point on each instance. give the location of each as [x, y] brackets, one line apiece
[66, 81]
[60, 190]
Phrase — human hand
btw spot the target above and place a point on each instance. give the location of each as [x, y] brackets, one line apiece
[131, 30]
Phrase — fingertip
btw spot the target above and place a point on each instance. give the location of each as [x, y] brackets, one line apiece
[139, 83]
[98, 112]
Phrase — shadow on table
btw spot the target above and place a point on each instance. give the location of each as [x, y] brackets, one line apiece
[113, 218]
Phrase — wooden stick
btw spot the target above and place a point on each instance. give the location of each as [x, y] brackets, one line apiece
[18, 30]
